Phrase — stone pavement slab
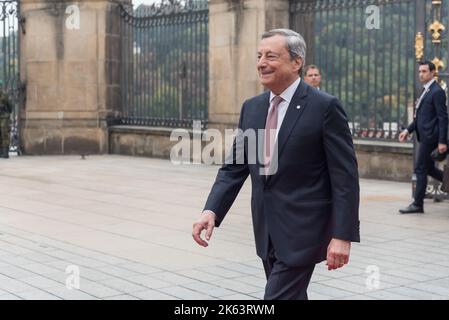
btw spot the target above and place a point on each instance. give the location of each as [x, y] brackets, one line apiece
[122, 227]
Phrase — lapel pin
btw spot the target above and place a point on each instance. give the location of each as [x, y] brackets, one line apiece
[298, 107]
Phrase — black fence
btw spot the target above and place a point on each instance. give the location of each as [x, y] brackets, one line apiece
[9, 63]
[165, 64]
[369, 65]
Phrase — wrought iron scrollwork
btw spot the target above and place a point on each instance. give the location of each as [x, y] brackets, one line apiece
[147, 15]
[300, 6]
[166, 8]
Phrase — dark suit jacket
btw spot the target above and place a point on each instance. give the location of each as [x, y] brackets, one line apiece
[430, 122]
[313, 196]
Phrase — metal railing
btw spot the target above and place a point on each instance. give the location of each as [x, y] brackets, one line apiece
[164, 73]
[9, 63]
[371, 70]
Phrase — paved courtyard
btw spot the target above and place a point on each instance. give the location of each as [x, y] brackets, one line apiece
[125, 224]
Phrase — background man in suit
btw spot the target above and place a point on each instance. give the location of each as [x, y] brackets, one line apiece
[306, 211]
[430, 124]
[312, 76]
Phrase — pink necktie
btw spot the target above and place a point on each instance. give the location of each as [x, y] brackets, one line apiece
[270, 131]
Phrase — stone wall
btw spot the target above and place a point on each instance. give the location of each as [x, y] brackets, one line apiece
[70, 56]
[387, 161]
[140, 141]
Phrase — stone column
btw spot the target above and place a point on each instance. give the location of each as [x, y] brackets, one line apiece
[69, 63]
[235, 29]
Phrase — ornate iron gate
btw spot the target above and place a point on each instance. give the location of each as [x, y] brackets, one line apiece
[365, 50]
[10, 23]
[431, 42]
[371, 65]
[165, 64]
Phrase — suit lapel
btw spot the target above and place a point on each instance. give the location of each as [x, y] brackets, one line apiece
[294, 112]
[425, 95]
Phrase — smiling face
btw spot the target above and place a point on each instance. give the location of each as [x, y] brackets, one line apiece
[277, 70]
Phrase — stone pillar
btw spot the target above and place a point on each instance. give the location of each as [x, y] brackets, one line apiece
[235, 29]
[69, 63]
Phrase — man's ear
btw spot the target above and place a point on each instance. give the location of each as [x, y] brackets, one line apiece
[299, 63]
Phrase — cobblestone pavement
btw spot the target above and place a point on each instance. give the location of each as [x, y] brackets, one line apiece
[125, 224]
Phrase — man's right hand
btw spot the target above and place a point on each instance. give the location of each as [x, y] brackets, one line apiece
[205, 222]
[403, 135]
[442, 148]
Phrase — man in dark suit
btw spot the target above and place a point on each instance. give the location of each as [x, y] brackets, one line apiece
[430, 124]
[312, 76]
[305, 200]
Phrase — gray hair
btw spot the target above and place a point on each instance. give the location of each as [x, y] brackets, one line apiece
[295, 43]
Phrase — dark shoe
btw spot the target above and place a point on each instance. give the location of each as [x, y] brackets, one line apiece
[412, 209]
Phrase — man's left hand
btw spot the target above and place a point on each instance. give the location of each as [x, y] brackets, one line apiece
[442, 148]
[337, 253]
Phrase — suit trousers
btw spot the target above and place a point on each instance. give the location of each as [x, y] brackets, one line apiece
[285, 282]
[425, 166]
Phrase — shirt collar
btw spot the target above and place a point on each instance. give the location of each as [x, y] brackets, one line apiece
[288, 93]
[428, 84]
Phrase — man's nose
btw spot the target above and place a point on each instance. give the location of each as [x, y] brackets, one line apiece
[261, 62]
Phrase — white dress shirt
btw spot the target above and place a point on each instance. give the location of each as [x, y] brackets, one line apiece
[418, 103]
[287, 95]
[426, 89]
